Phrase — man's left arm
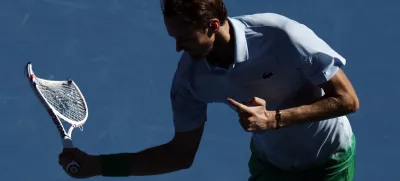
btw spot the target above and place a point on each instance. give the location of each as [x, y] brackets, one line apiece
[339, 99]
[323, 67]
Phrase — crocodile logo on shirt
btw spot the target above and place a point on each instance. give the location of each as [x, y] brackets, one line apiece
[267, 75]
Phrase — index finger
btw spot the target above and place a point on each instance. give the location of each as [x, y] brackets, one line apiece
[238, 105]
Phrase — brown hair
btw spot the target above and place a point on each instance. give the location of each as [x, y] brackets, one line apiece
[195, 12]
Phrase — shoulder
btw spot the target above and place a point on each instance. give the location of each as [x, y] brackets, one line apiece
[271, 26]
[266, 20]
[267, 23]
[180, 80]
[188, 112]
[183, 66]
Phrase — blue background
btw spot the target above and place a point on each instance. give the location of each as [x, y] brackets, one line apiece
[120, 55]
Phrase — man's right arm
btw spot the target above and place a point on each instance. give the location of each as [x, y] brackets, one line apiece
[175, 155]
[189, 117]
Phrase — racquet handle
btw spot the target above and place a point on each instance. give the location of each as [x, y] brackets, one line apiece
[73, 166]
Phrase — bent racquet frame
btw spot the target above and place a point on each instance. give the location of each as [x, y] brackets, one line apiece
[66, 137]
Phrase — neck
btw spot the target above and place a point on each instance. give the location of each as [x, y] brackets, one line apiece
[223, 51]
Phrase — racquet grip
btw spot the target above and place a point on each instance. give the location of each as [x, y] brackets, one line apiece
[73, 166]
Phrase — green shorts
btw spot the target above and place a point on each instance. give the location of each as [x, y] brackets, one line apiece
[339, 167]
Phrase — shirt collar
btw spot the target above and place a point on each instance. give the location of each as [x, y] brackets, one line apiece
[241, 49]
[241, 52]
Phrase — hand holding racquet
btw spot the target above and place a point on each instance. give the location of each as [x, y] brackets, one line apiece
[63, 101]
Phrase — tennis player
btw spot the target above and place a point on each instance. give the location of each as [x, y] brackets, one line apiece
[285, 83]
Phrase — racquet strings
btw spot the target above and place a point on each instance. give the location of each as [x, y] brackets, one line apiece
[64, 97]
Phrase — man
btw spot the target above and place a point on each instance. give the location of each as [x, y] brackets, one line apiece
[285, 83]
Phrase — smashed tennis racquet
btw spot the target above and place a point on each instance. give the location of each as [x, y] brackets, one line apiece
[64, 102]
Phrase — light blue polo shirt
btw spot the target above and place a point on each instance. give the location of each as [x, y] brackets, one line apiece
[281, 61]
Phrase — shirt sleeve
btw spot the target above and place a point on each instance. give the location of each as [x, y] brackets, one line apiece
[320, 62]
[188, 112]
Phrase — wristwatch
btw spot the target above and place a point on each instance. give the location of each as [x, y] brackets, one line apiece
[278, 119]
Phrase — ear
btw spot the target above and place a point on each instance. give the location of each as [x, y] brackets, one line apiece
[214, 24]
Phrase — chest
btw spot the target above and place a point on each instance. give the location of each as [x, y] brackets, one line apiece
[269, 79]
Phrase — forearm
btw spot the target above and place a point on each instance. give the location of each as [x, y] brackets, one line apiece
[156, 160]
[325, 108]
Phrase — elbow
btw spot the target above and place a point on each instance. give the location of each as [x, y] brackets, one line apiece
[351, 104]
[183, 161]
[355, 106]
[187, 163]
[183, 165]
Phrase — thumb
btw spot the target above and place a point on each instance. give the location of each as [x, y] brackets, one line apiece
[258, 101]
